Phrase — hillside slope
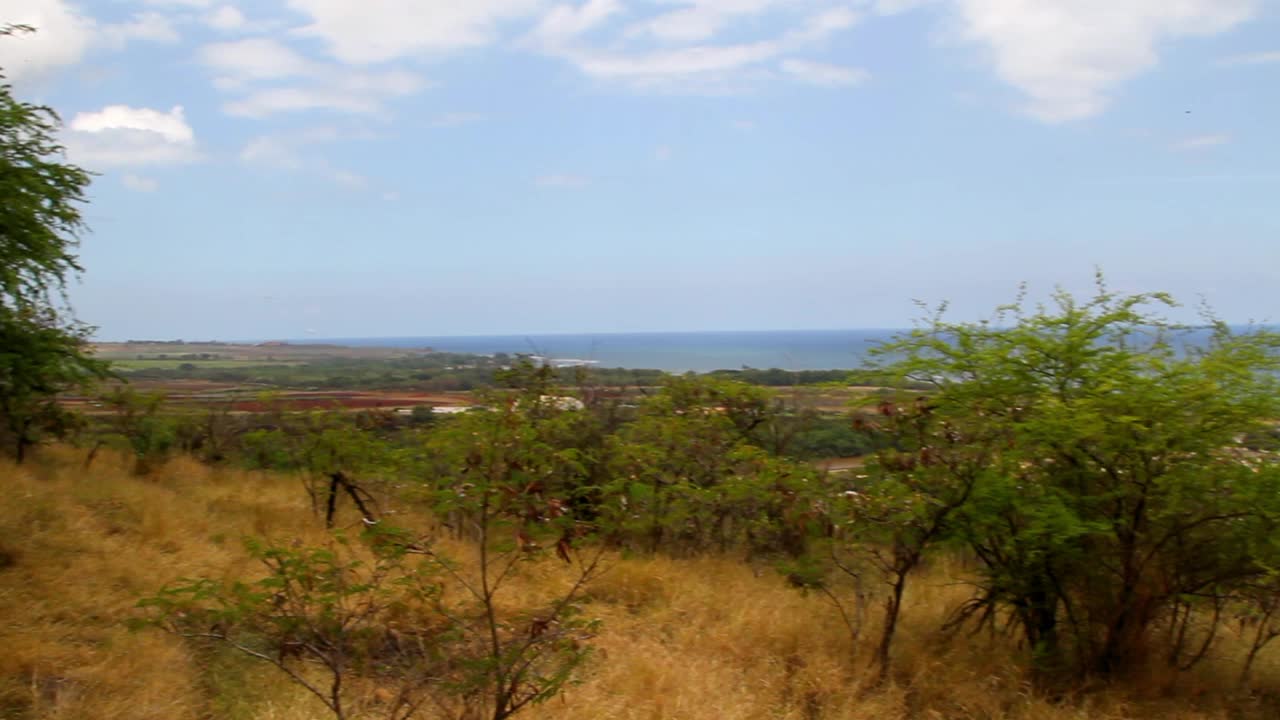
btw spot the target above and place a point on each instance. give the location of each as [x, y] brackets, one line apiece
[692, 639]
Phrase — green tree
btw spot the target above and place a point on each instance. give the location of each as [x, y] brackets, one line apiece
[1113, 495]
[505, 479]
[689, 474]
[902, 506]
[42, 348]
[140, 426]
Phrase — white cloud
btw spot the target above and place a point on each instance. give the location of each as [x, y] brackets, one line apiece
[1069, 56]
[295, 152]
[816, 73]
[686, 57]
[562, 181]
[170, 126]
[138, 183]
[227, 17]
[277, 152]
[151, 26]
[62, 37]
[292, 99]
[242, 66]
[119, 135]
[819, 26]
[566, 22]
[670, 64]
[893, 7]
[1258, 58]
[663, 153]
[348, 92]
[374, 31]
[701, 19]
[1202, 142]
[255, 59]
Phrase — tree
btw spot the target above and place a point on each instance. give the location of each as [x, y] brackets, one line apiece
[902, 506]
[139, 426]
[43, 349]
[434, 622]
[504, 479]
[1115, 496]
[689, 474]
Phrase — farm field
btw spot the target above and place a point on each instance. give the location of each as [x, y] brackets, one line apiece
[252, 353]
[183, 396]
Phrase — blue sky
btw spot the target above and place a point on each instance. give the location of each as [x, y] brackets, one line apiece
[332, 168]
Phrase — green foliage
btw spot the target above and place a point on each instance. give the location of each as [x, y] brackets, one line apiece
[1109, 478]
[345, 618]
[331, 608]
[829, 436]
[39, 359]
[523, 456]
[42, 353]
[687, 474]
[422, 415]
[1097, 448]
[40, 214]
[429, 371]
[317, 442]
[211, 435]
[139, 426]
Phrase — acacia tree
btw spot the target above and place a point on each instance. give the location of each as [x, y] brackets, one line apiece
[1120, 496]
[434, 622]
[42, 347]
[902, 506]
[689, 474]
[504, 479]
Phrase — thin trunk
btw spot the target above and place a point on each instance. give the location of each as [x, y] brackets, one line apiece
[892, 608]
[335, 692]
[1264, 635]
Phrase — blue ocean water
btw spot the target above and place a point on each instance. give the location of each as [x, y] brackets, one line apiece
[673, 352]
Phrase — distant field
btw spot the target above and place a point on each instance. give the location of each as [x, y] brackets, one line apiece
[174, 364]
[269, 352]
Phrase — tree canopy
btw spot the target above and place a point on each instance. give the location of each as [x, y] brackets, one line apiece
[1097, 462]
[43, 349]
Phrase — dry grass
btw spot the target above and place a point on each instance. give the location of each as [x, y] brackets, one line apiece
[681, 639]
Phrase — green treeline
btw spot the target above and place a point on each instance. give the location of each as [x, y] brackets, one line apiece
[143, 423]
[442, 371]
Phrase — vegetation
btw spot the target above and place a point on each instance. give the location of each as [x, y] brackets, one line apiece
[696, 637]
[42, 348]
[299, 367]
[1082, 495]
[1092, 464]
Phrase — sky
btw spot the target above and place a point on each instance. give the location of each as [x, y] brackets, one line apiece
[333, 168]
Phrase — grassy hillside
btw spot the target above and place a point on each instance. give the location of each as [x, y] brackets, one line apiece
[692, 639]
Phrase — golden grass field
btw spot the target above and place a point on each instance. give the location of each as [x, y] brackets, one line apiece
[688, 639]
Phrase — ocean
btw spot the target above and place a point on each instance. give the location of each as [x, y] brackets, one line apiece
[671, 351]
[680, 352]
